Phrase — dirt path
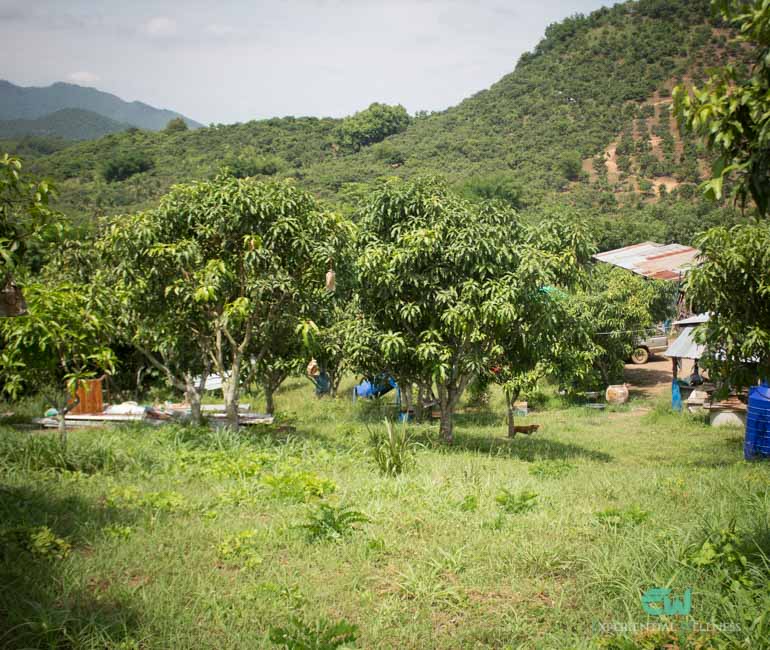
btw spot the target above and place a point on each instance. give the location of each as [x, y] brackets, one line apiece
[654, 378]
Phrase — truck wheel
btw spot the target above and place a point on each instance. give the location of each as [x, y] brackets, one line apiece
[640, 356]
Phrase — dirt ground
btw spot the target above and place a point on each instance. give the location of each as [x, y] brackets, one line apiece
[653, 378]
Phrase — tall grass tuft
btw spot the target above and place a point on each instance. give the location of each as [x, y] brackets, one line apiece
[392, 450]
[32, 453]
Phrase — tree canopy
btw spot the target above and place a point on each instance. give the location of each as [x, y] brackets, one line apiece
[731, 112]
[202, 277]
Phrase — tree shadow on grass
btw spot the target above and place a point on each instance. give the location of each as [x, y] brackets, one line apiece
[478, 418]
[40, 605]
[724, 452]
[526, 448]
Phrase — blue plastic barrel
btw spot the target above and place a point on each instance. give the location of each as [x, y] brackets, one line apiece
[757, 442]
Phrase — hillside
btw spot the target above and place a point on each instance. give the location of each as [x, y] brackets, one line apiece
[30, 103]
[582, 121]
[67, 123]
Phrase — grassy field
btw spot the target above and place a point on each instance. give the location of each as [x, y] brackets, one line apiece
[175, 537]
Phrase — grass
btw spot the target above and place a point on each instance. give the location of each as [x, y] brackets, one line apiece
[187, 538]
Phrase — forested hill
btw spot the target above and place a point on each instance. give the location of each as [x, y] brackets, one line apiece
[29, 103]
[583, 119]
[67, 123]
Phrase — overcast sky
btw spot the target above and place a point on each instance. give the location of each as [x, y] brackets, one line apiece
[236, 60]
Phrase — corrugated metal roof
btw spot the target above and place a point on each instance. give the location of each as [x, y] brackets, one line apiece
[651, 260]
[697, 319]
[685, 347]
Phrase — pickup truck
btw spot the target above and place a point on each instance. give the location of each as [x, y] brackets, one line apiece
[647, 347]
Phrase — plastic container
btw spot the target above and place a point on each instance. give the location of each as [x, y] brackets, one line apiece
[757, 443]
[617, 394]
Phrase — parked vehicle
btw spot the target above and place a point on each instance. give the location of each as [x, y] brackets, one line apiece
[647, 347]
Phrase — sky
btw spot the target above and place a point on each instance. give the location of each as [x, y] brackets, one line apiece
[238, 60]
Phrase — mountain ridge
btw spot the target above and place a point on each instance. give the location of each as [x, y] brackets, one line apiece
[35, 102]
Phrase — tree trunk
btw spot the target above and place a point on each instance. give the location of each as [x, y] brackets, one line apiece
[66, 407]
[424, 394]
[446, 406]
[192, 395]
[196, 415]
[335, 376]
[62, 429]
[406, 391]
[269, 397]
[446, 424]
[230, 391]
[510, 400]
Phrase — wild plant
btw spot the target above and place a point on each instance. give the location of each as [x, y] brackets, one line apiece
[319, 635]
[392, 450]
[514, 503]
[333, 522]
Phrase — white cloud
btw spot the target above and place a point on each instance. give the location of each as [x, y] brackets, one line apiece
[83, 77]
[160, 27]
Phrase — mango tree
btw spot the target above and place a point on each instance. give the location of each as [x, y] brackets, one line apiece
[606, 315]
[732, 283]
[430, 270]
[26, 222]
[731, 111]
[61, 341]
[205, 274]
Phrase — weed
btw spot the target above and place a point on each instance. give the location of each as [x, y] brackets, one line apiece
[39, 541]
[224, 464]
[320, 635]
[733, 556]
[298, 486]
[392, 451]
[241, 549]
[333, 522]
[551, 468]
[290, 595]
[514, 503]
[470, 503]
[131, 497]
[617, 518]
[116, 531]
[427, 584]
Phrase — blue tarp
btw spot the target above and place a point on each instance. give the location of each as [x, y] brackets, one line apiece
[376, 387]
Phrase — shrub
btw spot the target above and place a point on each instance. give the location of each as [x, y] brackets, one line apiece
[389, 154]
[125, 165]
[176, 125]
[243, 167]
[501, 186]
